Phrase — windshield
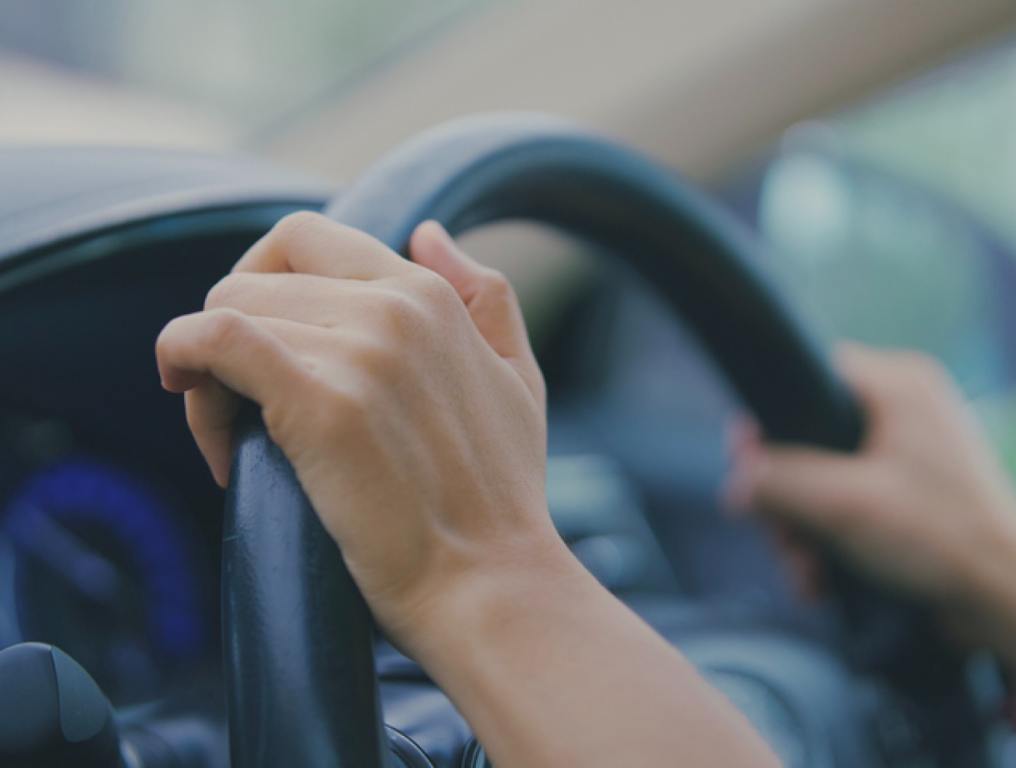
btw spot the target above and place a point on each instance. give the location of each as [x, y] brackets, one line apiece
[893, 223]
[953, 129]
[205, 73]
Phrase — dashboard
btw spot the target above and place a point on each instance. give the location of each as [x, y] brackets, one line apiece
[110, 526]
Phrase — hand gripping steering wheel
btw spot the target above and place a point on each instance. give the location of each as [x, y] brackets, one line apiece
[298, 637]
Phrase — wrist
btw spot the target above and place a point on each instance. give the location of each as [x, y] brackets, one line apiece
[548, 668]
[499, 597]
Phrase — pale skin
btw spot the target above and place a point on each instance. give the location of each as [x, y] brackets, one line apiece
[409, 402]
[925, 506]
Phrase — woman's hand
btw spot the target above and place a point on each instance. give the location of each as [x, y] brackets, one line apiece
[409, 402]
[925, 506]
[405, 395]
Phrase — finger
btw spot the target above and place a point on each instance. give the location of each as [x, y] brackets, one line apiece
[211, 411]
[212, 407]
[310, 243]
[869, 372]
[309, 299]
[885, 379]
[487, 294]
[813, 489]
[225, 344]
[215, 354]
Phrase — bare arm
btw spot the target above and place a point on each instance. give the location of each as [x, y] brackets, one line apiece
[409, 402]
[552, 670]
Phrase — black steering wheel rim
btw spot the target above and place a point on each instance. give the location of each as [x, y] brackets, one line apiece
[297, 635]
[484, 169]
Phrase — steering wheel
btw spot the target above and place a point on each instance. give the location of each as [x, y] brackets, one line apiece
[298, 637]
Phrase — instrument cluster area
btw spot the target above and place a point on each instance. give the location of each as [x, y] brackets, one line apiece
[109, 525]
[101, 562]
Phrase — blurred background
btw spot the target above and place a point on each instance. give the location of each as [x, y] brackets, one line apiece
[871, 143]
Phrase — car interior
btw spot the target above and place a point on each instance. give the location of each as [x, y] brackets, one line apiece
[794, 188]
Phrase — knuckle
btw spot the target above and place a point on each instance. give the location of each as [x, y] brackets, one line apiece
[293, 229]
[432, 288]
[496, 286]
[379, 361]
[224, 293]
[343, 409]
[223, 327]
[418, 295]
[400, 311]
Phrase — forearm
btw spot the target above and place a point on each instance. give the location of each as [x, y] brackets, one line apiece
[551, 670]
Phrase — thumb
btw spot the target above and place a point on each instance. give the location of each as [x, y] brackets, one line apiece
[811, 489]
[487, 294]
